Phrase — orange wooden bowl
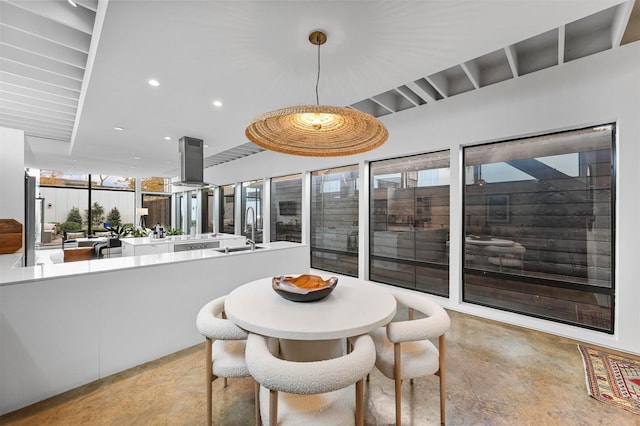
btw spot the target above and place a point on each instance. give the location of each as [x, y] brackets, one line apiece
[304, 288]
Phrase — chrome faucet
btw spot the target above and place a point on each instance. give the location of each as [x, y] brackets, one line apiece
[251, 241]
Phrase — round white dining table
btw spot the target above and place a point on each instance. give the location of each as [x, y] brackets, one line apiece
[353, 308]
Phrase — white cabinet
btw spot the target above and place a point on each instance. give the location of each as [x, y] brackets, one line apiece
[233, 242]
[142, 249]
[142, 246]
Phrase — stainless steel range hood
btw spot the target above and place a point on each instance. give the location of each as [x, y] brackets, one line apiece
[191, 162]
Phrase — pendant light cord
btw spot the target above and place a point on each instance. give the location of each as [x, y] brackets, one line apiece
[318, 78]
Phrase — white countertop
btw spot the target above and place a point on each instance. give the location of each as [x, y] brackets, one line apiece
[177, 239]
[10, 276]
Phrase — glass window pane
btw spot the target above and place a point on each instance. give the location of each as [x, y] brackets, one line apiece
[207, 205]
[156, 184]
[539, 230]
[227, 209]
[63, 211]
[113, 182]
[334, 220]
[252, 197]
[286, 208]
[159, 209]
[409, 222]
[64, 178]
[115, 207]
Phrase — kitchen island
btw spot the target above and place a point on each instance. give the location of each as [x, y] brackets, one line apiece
[177, 243]
[68, 324]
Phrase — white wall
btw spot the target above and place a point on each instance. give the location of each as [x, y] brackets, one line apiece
[598, 89]
[12, 174]
[58, 202]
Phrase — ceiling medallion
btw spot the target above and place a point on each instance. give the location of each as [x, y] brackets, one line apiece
[317, 130]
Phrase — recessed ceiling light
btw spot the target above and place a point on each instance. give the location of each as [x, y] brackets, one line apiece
[118, 128]
[205, 146]
[72, 3]
[153, 82]
[217, 103]
[167, 138]
[136, 158]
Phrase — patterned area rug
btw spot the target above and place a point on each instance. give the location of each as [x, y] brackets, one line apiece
[612, 378]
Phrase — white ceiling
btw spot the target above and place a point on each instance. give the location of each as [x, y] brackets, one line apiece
[381, 57]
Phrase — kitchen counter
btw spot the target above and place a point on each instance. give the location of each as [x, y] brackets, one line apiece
[64, 325]
[175, 243]
[11, 276]
[181, 239]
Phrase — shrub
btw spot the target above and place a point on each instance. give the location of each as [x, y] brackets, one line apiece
[74, 216]
[70, 226]
[114, 217]
[97, 215]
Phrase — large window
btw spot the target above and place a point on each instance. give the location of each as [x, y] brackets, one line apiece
[252, 197]
[286, 208]
[409, 222]
[75, 201]
[539, 226]
[334, 220]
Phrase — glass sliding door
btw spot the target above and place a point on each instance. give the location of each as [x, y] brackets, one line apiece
[334, 220]
[286, 208]
[409, 222]
[539, 226]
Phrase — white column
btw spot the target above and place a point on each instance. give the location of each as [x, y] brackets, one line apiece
[12, 174]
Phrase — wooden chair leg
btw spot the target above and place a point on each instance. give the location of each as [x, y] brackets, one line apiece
[209, 379]
[273, 407]
[397, 374]
[224, 382]
[256, 391]
[359, 403]
[443, 393]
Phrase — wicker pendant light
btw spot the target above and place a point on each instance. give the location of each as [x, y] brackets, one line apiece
[317, 130]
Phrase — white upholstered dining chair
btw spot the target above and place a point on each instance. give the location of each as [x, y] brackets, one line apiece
[225, 349]
[313, 392]
[404, 351]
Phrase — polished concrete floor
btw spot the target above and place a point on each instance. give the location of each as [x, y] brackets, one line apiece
[496, 375]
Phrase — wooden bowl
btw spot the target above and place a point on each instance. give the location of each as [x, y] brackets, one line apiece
[304, 288]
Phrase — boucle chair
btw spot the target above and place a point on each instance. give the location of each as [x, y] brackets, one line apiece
[404, 351]
[311, 393]
[225, 343]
